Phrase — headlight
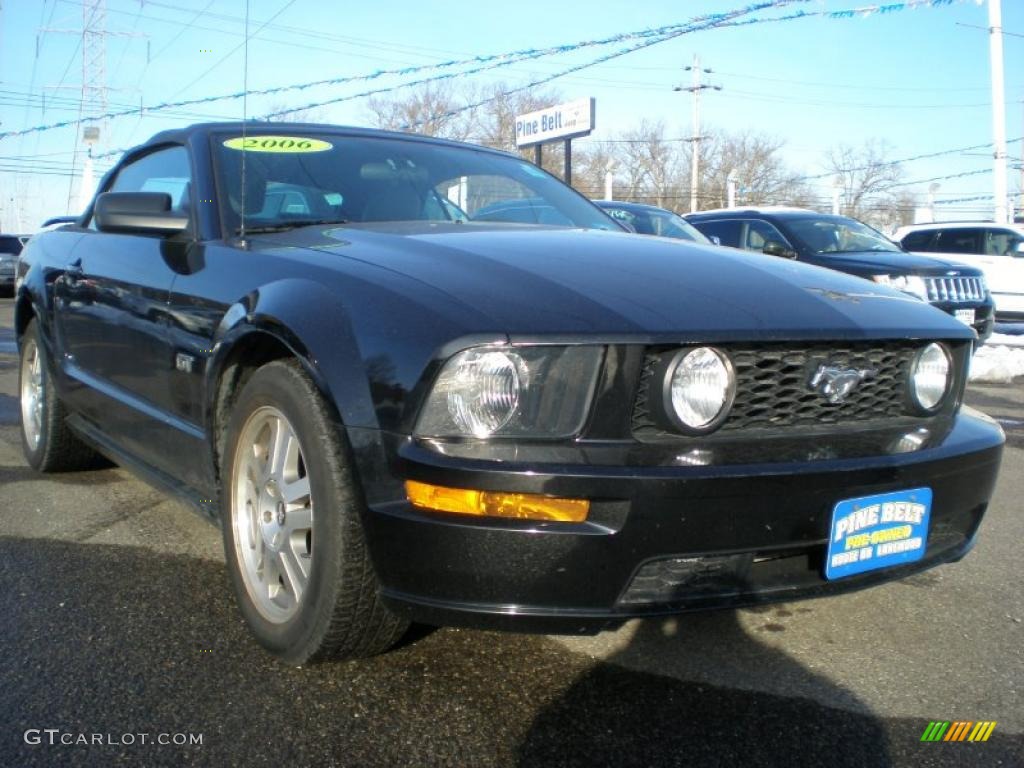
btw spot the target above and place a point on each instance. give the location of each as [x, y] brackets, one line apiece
[699, 389]
[930, 377]
[506, 391]
[911, 284]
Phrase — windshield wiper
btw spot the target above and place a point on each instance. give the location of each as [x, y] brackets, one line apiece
[284, 226]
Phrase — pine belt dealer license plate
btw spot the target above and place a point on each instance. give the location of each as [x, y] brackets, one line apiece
[965, 316]
[878, 531]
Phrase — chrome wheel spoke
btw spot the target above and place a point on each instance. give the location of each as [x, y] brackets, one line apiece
[292, 572]
[296, 492]
[281, 442]
[299, 519]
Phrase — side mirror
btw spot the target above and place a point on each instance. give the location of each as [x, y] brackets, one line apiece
[775, 248]
[138, 213]
[1019, 250]
[715, 239]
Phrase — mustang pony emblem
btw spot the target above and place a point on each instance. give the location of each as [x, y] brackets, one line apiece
[835, 383]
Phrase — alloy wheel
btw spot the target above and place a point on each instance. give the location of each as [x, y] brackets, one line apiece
[32, 394]
[272, 514]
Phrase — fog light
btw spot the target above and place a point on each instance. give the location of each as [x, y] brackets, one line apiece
[700, 388]
[930, 377]
[524, 506]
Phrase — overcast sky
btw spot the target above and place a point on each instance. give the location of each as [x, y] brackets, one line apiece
[918, 78]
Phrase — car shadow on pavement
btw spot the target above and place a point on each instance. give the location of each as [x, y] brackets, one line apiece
[633, 717]
[116, 640]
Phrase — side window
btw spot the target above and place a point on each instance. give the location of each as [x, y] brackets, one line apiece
[166, 170]
[960, 241]
[726, 230]
[1001, 242]
[919, 241]
[760, 232]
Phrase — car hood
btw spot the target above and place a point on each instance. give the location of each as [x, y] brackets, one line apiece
[892, 262]
[531, 281]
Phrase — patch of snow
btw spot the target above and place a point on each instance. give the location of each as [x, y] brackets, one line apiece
[1005, 339]
[998, 362]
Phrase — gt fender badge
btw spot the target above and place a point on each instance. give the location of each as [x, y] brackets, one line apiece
[835, 383]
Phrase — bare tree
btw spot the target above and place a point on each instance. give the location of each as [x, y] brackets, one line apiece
[433, 109]
[762, 177]
[650, 164]
[311, 115]
[481, 114]
[866, 177]
[591, 161]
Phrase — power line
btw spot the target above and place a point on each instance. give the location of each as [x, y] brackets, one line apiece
[288, 4]
[925, 156]
[942, 178]
[515, 56]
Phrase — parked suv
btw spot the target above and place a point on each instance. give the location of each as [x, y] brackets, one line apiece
[996, 249]
[10, 248]
[848, 245]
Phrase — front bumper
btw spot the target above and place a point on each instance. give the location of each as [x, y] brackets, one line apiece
[670, 530]
[984, 316]
[1009, 307]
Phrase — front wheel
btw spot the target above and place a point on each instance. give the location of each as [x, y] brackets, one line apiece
[292, 531]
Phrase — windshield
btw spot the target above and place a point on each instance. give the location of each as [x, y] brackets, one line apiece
[655, 222]
[838, 235]
[325, 177]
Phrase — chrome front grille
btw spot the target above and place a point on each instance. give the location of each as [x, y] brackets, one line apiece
[957, 290]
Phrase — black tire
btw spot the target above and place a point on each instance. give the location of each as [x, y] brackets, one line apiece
[58, 449]
[340, 614]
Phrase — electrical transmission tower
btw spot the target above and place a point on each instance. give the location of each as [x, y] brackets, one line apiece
[94, 58]
[93, 89]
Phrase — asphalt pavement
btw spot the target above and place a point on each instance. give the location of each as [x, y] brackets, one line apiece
[120, 631]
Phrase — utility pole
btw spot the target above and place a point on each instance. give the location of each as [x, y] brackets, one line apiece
[695, 90]
[995, 39]
[730, 189]
[609, 179]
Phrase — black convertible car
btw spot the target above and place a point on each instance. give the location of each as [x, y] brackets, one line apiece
[397, 412]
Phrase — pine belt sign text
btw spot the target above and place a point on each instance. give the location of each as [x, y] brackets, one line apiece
[563, 121]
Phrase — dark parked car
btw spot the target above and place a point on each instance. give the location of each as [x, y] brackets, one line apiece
[652, 220]
[396, 416]
[10, 248]
[839, 242]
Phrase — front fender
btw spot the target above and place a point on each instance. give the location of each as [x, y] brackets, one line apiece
[313, 325]
[40, 266]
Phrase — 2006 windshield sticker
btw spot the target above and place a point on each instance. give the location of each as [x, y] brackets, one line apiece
[284, 144]
[877, 532]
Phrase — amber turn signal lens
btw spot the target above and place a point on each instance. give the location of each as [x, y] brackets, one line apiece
[524, 506]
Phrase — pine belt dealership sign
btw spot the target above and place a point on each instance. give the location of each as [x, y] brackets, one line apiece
[563, 121]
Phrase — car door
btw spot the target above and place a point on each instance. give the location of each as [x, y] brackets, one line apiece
[112, 303]
[1004, 268]
[759, 232]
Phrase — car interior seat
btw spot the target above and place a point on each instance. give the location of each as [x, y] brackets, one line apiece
[394, 202]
